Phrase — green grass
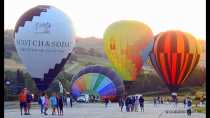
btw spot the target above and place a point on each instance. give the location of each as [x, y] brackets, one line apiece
[200, 109]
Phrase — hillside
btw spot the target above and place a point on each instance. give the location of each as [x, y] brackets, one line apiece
[89, 51]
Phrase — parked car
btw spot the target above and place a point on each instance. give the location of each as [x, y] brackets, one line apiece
[83, 98]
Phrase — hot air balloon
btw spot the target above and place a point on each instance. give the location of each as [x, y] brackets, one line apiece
[174, 56]
[44, 39]
[97, 80]
[127, 45]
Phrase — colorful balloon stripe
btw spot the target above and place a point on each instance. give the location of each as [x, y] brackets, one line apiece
[97, 80]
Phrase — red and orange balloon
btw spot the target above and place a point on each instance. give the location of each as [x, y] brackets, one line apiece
[174, 56]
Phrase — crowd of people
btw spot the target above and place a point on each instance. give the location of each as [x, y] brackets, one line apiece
[158, 100]
[56, 101]
[132, 103]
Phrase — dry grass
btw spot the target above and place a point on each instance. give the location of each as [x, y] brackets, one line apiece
[10, 64]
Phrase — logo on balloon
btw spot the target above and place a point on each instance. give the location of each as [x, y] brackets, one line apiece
[42, 27]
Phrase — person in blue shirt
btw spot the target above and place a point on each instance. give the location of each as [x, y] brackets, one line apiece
[54, 103]
[29, 100]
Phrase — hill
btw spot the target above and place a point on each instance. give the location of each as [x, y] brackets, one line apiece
[89, 51]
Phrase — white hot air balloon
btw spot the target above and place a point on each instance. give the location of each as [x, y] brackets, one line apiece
[44, 39]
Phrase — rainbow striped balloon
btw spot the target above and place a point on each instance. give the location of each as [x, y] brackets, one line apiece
[97, 80]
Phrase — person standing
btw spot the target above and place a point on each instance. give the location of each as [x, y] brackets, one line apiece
[189, 106]
[141, 101]
[57, 107]
[42, 102]
[23, 101]
[68, 100]
[46, 104]
[136, 104]
[29, 100]
[154, 101]
[71, 101]
[65, 100]
[60, 104]
[121, 103]
[185, 102]
[133, 103]
[176, 101]
[127, 104]
[161, 100]
[130, 104]
[54, 103]
[106, 102]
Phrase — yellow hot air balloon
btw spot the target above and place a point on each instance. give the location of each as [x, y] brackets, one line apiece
[127, 44]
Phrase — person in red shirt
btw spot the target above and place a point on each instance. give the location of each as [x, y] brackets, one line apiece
[23, 101]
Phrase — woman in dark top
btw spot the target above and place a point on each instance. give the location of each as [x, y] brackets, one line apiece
[141, 101]
[60, 104]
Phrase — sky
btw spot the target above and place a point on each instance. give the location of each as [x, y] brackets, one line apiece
[92, 17]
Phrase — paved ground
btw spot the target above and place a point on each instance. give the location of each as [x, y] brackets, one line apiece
[98, 110]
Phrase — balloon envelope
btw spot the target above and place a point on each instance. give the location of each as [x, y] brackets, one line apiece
[44, 39]
[97, 80]
[174, 56]
[127, 45]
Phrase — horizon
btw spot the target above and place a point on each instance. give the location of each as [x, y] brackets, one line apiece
[98, 15]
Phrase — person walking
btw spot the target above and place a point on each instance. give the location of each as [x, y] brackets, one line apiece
[141, 101]
[54, 103]
[136, 104]
[46, 104]
[23, 101]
